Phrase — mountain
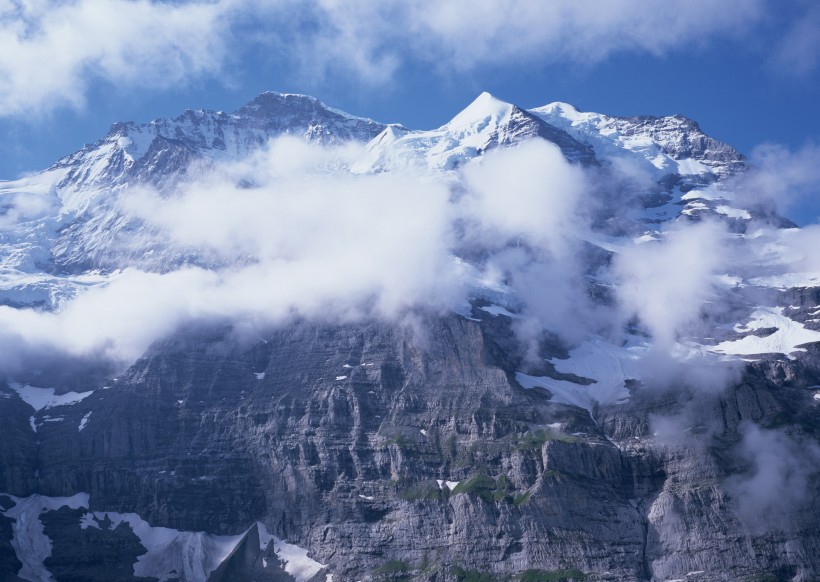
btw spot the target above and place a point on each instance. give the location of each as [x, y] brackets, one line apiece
[485, 124]
[74, 213]
[288, 343]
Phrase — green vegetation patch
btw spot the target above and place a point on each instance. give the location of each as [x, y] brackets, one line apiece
[463, 575]
[482, 486]
[392, 568]
[552, 576]
[535, 439]
[421, 490]
[522, 498]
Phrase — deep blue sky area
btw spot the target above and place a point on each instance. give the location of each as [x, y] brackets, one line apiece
[728, 81]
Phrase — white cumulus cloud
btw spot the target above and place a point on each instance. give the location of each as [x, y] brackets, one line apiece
[53, 51]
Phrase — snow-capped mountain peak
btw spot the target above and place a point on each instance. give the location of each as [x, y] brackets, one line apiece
[484, 124]
[81, 220]
[154, 151]
[485, 108]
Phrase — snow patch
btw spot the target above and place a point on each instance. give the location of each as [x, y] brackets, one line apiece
[88, 520]
[40, 398]
[259, 375]
[788, 280]
[609, 365]
[562, 391]
[785, 340]
[172, 554]
[84, 421]
[694, 207]
[338, 378]
[297, 564]
[692, 167]
[733, 212]
[296, 560]
[497, 310]
[31, 545]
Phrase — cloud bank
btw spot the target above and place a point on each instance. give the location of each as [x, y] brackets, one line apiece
[289, 232]
[52, 51]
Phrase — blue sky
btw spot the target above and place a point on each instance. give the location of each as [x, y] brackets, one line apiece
[747, 70]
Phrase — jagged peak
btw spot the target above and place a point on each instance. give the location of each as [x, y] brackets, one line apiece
[277, 99]
[676, 118]
[282, 97]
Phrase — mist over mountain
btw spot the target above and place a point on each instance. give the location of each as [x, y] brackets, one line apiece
[288, 343]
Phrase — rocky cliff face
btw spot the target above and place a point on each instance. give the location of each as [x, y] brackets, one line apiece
[436, 446]
[410, 452]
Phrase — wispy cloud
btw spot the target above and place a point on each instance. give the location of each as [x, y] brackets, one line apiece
[798, 53]
[665, 283]
[775, 484]
[468, 34]
[779, 177]
[52, 52]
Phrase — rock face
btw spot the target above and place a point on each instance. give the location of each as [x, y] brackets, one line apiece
[348, 441]
[331, 449]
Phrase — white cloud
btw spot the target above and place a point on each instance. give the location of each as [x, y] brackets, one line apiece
[51, 51]
[779, 177]
[310, 239]
[530, 191]
[798, 53]
[372, 39]
[526, 204]
[305, 240]
[289, 231]
[665, 283]
[493, 31]
[776, 484]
